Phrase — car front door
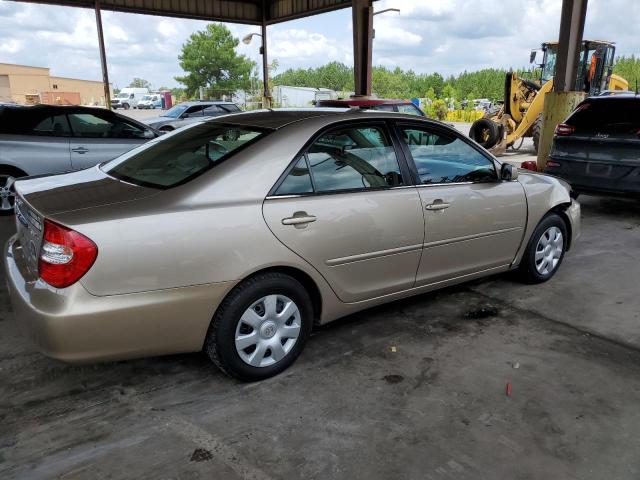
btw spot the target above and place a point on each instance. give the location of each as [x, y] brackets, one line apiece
[347, 207]
[98, 137]
[48, 147]
[473, 221]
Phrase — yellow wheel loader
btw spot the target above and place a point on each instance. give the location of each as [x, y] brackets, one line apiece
[521, 114]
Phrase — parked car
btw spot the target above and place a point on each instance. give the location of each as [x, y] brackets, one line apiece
[238, 234]
[386, 105]
[128, 98]
[150, 102]
[597, 149]
[190, 112]
[44, 139]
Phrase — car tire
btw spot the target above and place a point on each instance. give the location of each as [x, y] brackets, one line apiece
[8, 175]
[125, 106]
[485, 132]
[545, 250]
[251, 317]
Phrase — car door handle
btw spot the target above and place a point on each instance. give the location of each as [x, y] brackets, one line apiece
[299, 219]
[437, 205]
[80, 150]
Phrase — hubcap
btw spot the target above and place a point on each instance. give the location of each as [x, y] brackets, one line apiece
[268, 330]
[7, 196]
[549, 250]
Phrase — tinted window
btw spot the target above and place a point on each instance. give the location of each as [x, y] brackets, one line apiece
[440, 158]
[298, 181]
[384, 108]
[182, 156]
[230, 107]
[410, 109]
[620, 116]
[54, 126]
[213, 111]
[354, 157]
[88, 125]
[196, 111]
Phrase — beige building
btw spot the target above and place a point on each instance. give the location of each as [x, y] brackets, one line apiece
[30, 85]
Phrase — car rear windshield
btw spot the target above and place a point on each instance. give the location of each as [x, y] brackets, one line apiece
[616, 116]
[180, 157]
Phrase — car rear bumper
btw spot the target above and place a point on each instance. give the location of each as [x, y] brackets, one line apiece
[610, 179]
[72, 325]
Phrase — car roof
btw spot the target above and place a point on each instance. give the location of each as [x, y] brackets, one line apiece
[280, 117]
[53, 108]
[206, 102]
[363, 102]
[620, 97]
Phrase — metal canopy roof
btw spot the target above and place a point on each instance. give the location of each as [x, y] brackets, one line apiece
[238, 11]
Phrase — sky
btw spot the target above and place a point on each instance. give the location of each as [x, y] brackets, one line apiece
[445, 36]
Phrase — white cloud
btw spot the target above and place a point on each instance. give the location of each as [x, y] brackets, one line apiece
[447, 36]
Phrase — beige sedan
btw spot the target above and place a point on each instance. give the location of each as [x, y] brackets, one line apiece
[235, 236]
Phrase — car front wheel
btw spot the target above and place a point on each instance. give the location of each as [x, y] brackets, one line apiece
[545, 250]
[261, 327]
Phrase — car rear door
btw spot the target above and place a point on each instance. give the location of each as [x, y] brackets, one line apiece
[98, 137]
[347, 207]
[599, 146]
[473, 221]
[34, 141]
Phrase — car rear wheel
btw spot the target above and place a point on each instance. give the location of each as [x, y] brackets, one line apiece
[8, 177]
[545, 250]
[261, 327]
[125, 106]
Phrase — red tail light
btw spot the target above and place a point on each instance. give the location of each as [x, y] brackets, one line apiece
[65, 255]
[530, 165]
[564, 130]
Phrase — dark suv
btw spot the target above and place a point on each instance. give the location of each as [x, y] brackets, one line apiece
[597, 149]
[189, 112]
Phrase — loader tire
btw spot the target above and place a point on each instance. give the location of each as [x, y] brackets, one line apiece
[485, 132]
[536, 131]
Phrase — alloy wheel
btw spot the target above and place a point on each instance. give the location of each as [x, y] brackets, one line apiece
[7, 195]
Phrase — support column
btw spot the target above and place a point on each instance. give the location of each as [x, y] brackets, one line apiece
[362, 13]
[103, 57]
[266, 103]
[559, 103]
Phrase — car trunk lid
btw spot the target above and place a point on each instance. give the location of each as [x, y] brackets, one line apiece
[43, 197]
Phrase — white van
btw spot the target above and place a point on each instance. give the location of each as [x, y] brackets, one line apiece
[128, 98]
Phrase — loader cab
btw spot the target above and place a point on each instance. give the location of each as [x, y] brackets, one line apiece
[595, 66]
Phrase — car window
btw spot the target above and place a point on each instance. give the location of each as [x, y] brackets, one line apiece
[443, 158]
[88, 125]
[230, 107]
[196, 110]
[353, 158]
[182, 156]
[213, 111]
[410, 109]
[383, 108]
[613, 116]
[53, 126]
[298, 180]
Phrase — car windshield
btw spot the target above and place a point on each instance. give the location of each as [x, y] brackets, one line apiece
[176, 111]
[122, 95]
[146, 97]
[182, 156]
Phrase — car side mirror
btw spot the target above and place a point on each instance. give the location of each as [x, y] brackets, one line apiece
[508, 172]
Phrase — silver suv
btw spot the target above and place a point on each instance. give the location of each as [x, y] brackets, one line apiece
[45, 139]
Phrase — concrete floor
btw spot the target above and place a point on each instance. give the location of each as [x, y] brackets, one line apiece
[411, 390]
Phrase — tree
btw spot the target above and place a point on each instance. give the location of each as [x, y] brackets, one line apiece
[140, 83]
[629, 69]
[209, 60]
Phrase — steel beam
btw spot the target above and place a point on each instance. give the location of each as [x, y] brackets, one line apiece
[572, 21]
[362, 14]
[103, 56]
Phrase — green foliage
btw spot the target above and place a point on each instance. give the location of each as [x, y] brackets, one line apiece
[397, 83]
[629, 69]
[140, 83]
[210, 60]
